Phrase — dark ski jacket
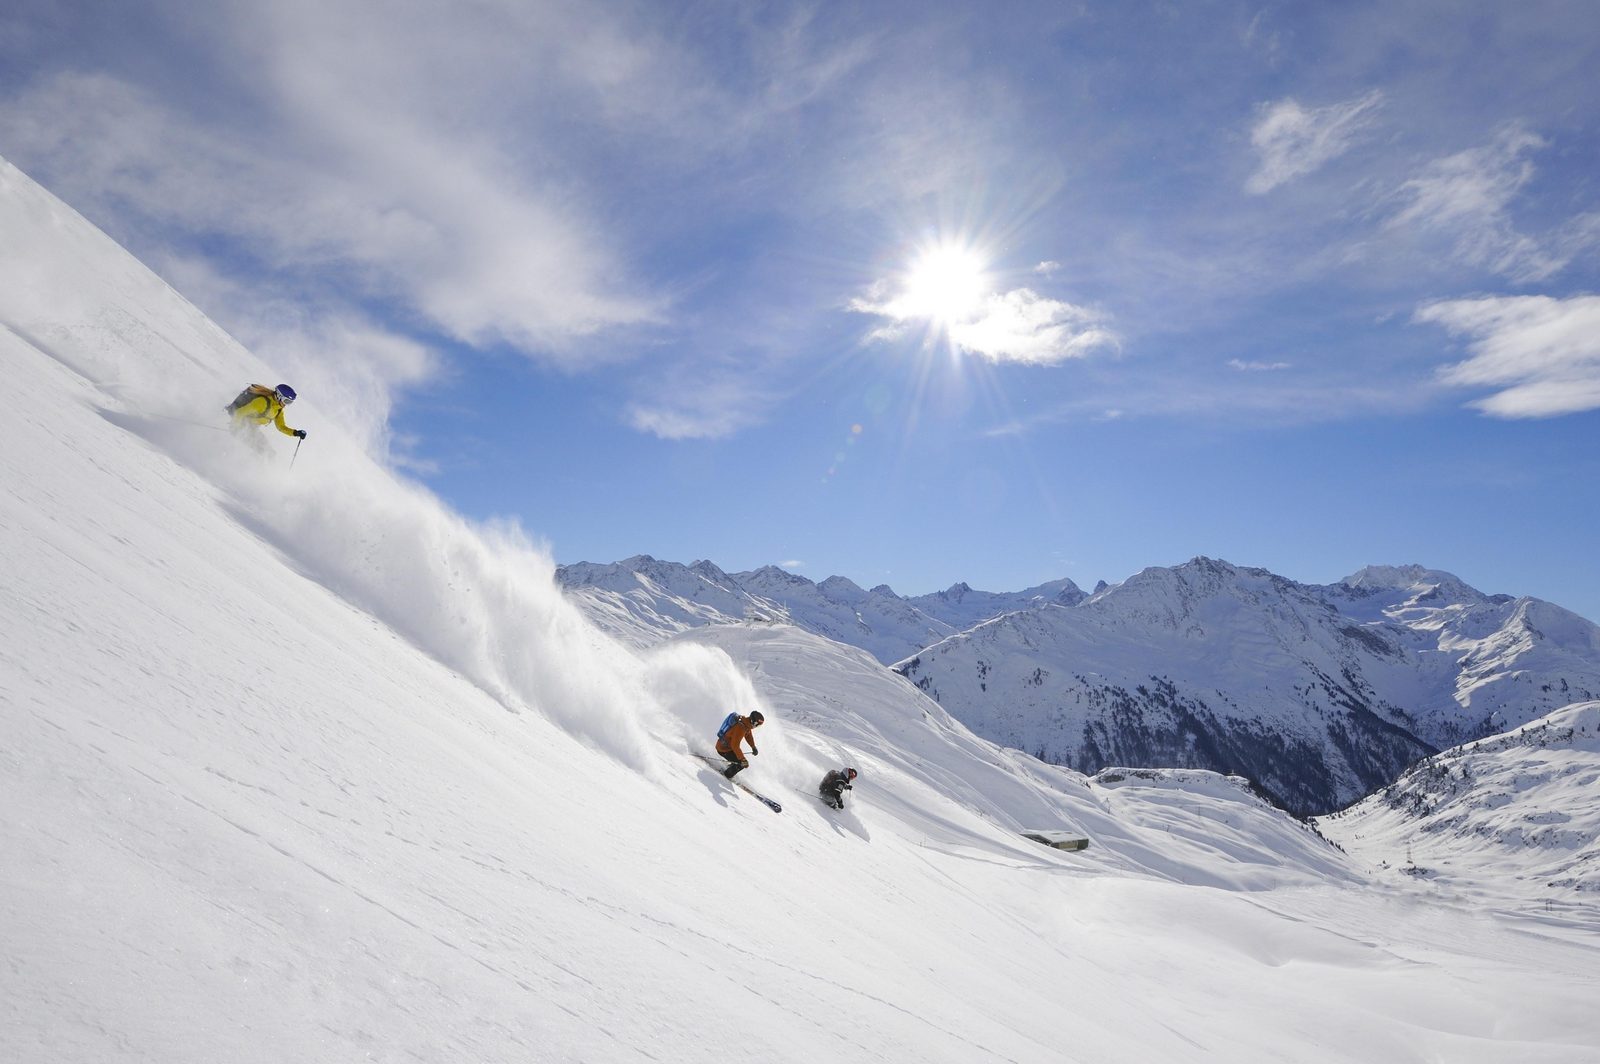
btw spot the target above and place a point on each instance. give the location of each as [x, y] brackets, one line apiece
[834, 784]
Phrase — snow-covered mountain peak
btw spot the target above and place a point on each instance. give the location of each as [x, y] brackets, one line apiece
[711, 571]
[1199, 575]
[1556, 625]
[771, 577]
[962, 606]
[1415, 585]
[841, 589]
[1202, 595]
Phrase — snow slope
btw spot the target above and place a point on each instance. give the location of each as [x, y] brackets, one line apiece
[1526, 803]
[298, 765]
[951, 789]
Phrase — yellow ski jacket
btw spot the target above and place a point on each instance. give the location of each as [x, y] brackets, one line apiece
[262, 409]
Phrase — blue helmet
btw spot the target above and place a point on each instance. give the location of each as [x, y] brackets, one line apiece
[285, 393]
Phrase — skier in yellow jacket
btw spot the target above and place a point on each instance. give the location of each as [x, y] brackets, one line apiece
[258, 404]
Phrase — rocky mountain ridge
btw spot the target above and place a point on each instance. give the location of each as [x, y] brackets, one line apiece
[1320, 694]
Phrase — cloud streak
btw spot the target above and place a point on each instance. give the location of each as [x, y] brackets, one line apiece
[1542, 353]
[1465, 199]
[712, 405]
[408, 216]
[1293, 141]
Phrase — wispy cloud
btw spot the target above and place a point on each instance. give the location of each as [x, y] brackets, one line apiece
[1542, 353]
[682, 423]
[403, 213]
[1294, 141]
[1466, 198]
[1244, 366]
[1016, 326]
[709, 405]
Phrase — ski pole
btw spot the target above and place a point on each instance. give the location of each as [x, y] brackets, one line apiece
[296, 454]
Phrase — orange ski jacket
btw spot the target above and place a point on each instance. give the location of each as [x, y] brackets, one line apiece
[739, 731]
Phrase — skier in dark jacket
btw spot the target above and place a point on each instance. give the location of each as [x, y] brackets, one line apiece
[740, 730]
[834, 784]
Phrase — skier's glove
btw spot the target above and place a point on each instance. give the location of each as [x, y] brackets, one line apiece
[754, 751]
[301, 433]
[848, 787]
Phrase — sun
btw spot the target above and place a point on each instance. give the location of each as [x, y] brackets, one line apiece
[945, 283]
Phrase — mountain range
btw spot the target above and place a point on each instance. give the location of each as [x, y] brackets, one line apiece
[1319, 694]
[643, 600]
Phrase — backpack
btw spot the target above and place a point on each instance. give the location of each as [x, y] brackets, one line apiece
[249, 395]
[727, 722]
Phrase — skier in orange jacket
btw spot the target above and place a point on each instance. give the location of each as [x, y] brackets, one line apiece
[741, 730]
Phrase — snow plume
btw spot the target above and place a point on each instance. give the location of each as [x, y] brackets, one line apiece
[479, 599]
[697, 686]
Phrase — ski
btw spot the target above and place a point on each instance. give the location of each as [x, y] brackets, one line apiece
[751, 791]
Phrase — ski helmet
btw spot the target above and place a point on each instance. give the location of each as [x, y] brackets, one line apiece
[849, 773]
[285, 393]
[756, 717]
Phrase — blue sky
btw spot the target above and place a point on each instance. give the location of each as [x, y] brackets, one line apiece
[911, 293]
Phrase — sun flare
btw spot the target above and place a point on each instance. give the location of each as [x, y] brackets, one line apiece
[945, 284]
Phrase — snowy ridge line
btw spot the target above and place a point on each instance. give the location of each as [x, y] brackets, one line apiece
[645, 600]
